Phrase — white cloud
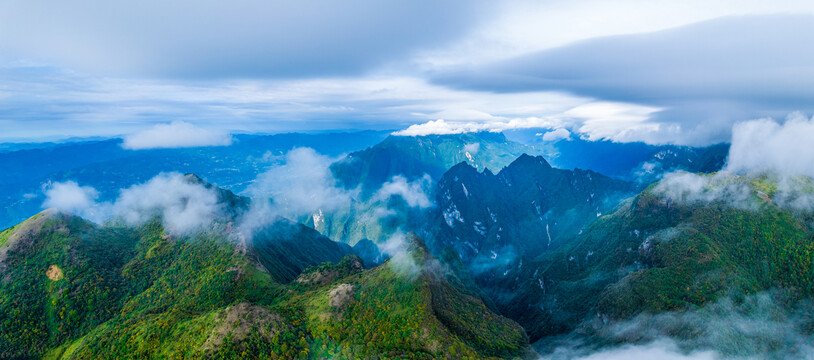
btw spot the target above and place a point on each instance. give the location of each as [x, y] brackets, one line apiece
[70, 197]
[397, 248]
[596, 120]
[558, 134]
[472, 149]
[520, 27]
[183, 206]
[782, 154]
[688, 188]
[661, 349]
[767, 146]
[620, 122]
[302, 185]
[414, 193]
[177, 134]
[443, 127]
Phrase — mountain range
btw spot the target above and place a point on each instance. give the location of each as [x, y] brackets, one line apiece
[449, 246]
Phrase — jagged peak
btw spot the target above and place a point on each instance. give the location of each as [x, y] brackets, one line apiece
[525, 160]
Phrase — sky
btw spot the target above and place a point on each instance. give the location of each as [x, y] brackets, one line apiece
[662, 71]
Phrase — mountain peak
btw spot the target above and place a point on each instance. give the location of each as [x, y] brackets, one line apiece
[525, 160]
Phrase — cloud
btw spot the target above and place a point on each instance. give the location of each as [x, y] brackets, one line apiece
[661, 349]
[770, 325]
[767, 160]
[619, 122]
[183, 206]
[689, 188]
[70, 197]
[763, 325]
[472, 149]
[414, 193]
[177, 134]
[302, 185]
[443, 127]
[396, 248]
[765, 145]
[242, 38]
[558, 134]
[705, 76]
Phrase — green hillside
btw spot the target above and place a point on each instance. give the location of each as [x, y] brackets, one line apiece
[657, 254]
[75, 290]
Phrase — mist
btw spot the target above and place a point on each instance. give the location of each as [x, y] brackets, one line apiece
[768, 146]
[302, 185]
[183, 206]
[767, 160]
[772, 324]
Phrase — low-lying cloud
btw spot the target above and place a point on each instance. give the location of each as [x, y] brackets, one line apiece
[767, 160]
[766, 145]
[302, 185]
[764, 325]
[182, 205]
[472, 148]
[662, 349]
[396, 248]
[414, 193]
[69, 196]
[687, 188]
[177, 134]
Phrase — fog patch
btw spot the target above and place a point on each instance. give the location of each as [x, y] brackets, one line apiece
[662, 349]
[472, 149]
[758, 325]
[301, 186]
[397, 248]
[689, 188]
[414, 193]
[766, 325]
[177, 134]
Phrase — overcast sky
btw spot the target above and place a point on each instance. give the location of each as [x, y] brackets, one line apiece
[659, 71]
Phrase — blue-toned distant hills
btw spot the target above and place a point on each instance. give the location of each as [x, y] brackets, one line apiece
[375, 157]
[635, 161]
[107, 167]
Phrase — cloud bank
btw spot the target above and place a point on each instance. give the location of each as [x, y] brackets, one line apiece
[705, 76]
[177, 134]
[767, 160]
[443, 127]
[241, 38]
[766, 145]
